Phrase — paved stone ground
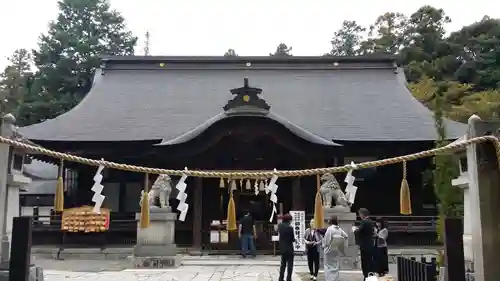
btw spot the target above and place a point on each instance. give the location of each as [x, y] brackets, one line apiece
[185, 273]
[99, 270]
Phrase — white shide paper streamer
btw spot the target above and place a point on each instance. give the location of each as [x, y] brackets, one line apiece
[272, 187]
[351, 189]
[183, 207]
[97, 188]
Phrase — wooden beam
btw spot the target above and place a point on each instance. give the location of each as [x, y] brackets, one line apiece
[296, 195]
[198, 210]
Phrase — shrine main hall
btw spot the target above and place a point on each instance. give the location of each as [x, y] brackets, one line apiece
[244, 113]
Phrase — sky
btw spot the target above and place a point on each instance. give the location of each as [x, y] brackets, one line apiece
[251, 27]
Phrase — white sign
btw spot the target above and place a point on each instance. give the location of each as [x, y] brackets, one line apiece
[299, 229]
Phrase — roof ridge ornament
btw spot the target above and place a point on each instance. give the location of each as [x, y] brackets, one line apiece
[247, 97]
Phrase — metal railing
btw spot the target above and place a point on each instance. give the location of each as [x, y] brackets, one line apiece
[413, 270]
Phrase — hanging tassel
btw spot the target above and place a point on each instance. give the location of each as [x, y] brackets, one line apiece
[221, 183]
[319, 216]
[233, 185]
[144, 219]
[262, 185]
[241, 184]
[231, 213]
[405, 198]
[248, 185]
[59, 196]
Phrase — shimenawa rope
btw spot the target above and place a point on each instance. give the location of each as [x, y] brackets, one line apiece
[255, 174]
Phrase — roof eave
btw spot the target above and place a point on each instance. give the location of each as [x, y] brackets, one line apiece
[298, 131]
[244, 59]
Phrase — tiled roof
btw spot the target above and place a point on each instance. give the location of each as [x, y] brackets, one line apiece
[163, 98]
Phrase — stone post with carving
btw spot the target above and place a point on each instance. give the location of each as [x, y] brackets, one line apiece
[346, 221]
[155, 247]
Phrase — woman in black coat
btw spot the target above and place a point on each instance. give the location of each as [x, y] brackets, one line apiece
[381, 253]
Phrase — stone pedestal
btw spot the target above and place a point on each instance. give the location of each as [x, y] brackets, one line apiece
[346, 221]
[155, 246]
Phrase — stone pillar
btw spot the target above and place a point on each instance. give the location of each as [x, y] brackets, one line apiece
[484, 180]
[463, 182]
[346, 221]
[6, 132]
[155, 246]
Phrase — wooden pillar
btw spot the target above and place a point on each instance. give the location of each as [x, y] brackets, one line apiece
[484, 180]
[296, 195]
[454, 249]
[197, 212]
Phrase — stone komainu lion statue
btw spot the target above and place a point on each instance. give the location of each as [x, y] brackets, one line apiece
[160, 191]
[330, 189]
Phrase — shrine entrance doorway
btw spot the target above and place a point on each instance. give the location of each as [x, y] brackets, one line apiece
[250, 144]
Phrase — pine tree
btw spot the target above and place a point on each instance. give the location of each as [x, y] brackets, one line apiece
[68, 54]
[230, 53]
[347, 40]
[146, 44]
[15, 82]
[282, 51]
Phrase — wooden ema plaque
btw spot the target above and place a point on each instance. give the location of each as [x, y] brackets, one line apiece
[82, 219]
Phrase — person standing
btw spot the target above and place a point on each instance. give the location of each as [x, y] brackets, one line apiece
[247, 234]
[381, 254]
[286, 240]
[365, 234]
[313, 241]
[333, 247]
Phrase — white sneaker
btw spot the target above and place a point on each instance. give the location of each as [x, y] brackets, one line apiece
[314, 278]
[311, 277]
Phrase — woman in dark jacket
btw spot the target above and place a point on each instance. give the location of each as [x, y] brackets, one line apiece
[381, 254]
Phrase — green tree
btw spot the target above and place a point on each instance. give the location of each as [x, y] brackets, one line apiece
[230, 53]
[68, 54]
[478, 48]
[347, 40]
[425, 51]
[445, 168]
[15, 81]
[282, 51]
[386, 35]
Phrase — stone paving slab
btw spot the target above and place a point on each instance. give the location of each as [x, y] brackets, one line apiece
[99, 270]
[185, 273]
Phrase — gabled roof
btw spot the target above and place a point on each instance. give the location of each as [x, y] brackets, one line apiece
[163, 98]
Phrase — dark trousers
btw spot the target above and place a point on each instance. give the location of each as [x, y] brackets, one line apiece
[313, 261]
[367, 262]
[381, 260]
[286, 261]
[247, 245]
